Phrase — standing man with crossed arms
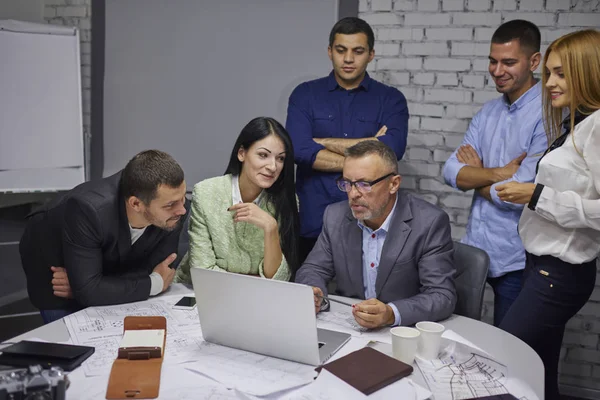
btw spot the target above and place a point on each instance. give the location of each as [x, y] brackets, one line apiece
[330, 114]
[503, 143]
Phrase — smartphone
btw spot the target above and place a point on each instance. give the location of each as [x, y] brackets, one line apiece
[185, 303]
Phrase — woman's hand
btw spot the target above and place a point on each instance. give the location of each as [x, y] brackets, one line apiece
[515, 192]
[250, 212]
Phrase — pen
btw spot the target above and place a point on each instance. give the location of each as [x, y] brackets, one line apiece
[335, 301]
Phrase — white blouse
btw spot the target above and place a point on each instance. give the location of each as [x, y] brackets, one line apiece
[566, 220]
[236, 195]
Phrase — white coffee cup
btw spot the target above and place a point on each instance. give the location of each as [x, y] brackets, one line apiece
[430, 339]
[404, 343]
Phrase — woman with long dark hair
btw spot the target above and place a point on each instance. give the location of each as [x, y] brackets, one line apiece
[246, 221]
[560, 227]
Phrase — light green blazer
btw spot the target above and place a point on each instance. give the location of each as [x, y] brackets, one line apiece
[218, 243]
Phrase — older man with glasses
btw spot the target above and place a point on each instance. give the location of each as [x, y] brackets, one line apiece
[389, 248]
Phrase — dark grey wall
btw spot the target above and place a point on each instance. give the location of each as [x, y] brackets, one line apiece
[186, 76]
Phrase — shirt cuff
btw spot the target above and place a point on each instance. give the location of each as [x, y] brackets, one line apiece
[494, 194]
[535, 196]
[156, 283]
[451, 170]
[397, 317]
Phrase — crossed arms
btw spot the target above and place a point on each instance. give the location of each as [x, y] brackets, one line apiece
[465, 168]
[331, 158]
[327, 154]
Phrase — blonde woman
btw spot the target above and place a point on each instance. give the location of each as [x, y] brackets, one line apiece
[560, 227]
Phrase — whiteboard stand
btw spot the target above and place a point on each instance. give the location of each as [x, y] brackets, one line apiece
[41, 128]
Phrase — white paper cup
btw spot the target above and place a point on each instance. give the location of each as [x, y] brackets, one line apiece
[429, 341]
[404, 343]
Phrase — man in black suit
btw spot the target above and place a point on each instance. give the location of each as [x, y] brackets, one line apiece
[106, 242]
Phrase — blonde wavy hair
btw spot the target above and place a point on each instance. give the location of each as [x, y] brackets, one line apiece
[579, 53]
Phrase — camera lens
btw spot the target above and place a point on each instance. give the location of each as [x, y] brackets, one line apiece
[39, 396]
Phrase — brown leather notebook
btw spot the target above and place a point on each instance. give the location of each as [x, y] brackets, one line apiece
[137, 376]
[368, 370]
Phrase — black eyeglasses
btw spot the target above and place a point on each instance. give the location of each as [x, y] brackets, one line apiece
[362, 186]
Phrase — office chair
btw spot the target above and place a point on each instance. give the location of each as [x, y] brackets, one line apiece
[184, 241]
[472, 266]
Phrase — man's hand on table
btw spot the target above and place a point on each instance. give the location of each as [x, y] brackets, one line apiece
[373, 313]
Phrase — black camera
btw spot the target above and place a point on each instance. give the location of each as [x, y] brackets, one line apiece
[33, 383]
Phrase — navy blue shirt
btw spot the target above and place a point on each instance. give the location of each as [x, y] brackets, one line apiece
[323, 109]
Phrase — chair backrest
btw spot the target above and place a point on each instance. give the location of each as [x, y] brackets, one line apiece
[184, 241]
[472, 266]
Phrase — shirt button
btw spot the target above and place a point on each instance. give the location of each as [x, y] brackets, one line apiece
[331, 116]
[373, 236]
[372, 265]
[345, 134]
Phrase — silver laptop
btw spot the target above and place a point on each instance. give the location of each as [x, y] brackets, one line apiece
[263, 316]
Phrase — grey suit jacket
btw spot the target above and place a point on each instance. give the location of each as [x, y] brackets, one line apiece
[416, 267]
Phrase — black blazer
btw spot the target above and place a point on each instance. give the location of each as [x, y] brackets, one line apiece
[87, 232]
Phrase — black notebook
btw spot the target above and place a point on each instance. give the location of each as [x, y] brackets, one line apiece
[25, 353]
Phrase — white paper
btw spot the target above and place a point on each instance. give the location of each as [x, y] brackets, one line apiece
[176, 383]
[249, 372]
[344, 322]
[326, 387]
[143, 338]
[453, 336]
[462, 372]
[102, 328]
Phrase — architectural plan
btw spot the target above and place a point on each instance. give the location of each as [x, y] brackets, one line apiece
[344, 322]
[462, 372]
[102, 328]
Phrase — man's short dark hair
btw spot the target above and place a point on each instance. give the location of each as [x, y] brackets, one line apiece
[526, 32]
[146, 171]
[368, 147]
[350, 26]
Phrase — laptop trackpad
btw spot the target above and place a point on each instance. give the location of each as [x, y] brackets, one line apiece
[330, 342]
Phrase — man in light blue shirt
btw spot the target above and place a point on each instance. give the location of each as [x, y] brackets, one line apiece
[503, 143]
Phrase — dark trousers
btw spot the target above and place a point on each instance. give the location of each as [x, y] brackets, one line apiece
[553, 292]
[506, 290]
[53, 315]
[306, 246]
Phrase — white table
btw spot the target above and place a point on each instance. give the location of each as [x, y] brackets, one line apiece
[521, 360]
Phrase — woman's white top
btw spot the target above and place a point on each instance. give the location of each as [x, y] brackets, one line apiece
[566, 220]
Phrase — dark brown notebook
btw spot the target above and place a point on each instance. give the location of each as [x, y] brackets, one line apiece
[368, 370]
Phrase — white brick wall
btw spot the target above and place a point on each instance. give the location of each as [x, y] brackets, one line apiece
[77, 13]
[444, 47]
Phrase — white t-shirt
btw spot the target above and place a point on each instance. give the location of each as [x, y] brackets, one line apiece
[136, 233]
[156, 281]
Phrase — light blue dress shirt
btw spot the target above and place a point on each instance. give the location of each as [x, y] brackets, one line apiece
[372, 243]
[500, 132]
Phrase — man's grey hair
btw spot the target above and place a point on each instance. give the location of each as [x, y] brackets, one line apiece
[368, 147]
